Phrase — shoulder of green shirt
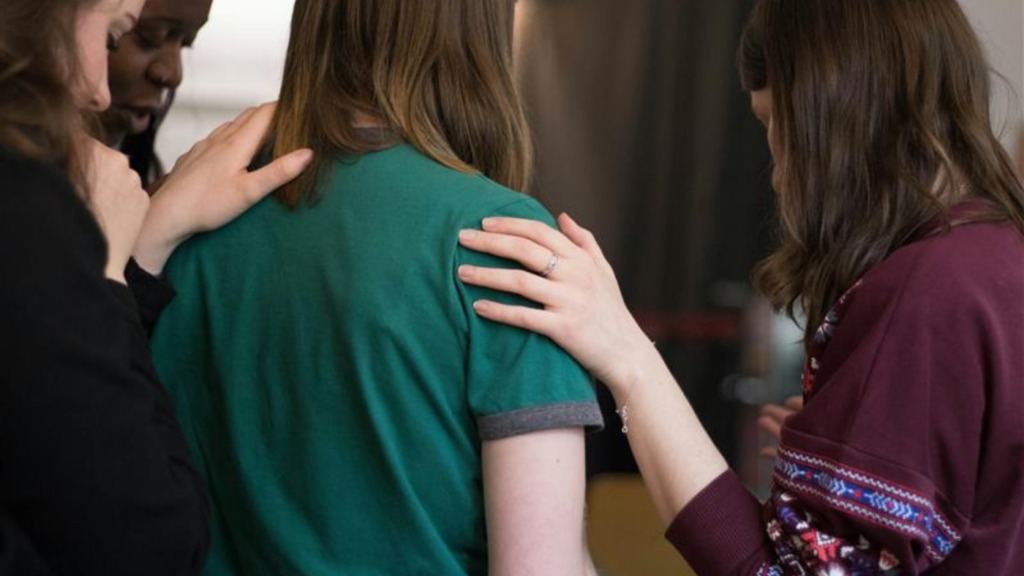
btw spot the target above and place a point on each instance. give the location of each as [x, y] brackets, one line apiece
[484, 197]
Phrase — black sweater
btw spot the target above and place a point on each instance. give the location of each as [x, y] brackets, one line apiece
[95, 476]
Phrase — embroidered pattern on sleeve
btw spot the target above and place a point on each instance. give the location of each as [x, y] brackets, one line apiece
[769, 569]
[822, 336]
[801, 476]
[803, 549]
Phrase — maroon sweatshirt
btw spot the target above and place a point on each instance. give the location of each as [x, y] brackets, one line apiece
[908, 457]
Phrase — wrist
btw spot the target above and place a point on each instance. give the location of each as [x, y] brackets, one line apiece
[157, 241]
[115, 273]
[641, 365]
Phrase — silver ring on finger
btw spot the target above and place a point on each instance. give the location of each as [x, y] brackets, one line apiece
[552, 264]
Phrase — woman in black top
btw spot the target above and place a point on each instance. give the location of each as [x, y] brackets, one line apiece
[94, 475]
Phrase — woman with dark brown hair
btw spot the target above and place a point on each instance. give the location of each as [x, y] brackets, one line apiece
[95, 477]
[903, 244]
[349, 412]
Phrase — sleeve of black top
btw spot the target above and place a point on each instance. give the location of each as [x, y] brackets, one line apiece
[93, 467]
[18, 556]
[151, 294]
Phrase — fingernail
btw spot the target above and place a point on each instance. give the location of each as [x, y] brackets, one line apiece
[482, 306]
[465, 272]
[467, 235]
[490, 223]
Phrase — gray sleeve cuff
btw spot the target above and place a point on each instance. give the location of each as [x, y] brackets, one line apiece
[548, 417]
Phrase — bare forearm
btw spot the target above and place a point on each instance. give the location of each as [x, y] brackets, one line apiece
[161, 234]
[585, 314]
[674, 452]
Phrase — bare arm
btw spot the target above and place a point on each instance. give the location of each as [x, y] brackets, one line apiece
[674, 452]
[534, 488]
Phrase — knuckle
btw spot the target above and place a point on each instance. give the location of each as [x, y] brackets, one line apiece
[521, 280]
[518, 246]
[561, 330]
[245, 189]
[503, 243]
[252, 189]
[483, 240]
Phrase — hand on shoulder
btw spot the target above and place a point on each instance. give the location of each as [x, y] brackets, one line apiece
[210, 185]
[584, 311]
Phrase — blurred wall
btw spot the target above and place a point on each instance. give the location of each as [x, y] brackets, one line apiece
[238, 59]
[1000, 23]
[645, 136]
[236, 62]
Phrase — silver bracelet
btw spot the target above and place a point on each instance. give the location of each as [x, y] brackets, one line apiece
[624, 415]
[623, 412]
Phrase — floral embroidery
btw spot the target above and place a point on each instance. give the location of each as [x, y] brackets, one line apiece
[802, 545]
[822, 336]
[767, 569]
[804, 550]
[862, 495]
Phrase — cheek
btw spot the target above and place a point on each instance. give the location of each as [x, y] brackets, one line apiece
[92, 91]
[777, 160]
[126, 70]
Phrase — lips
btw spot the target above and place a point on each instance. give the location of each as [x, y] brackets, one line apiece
[138, 117]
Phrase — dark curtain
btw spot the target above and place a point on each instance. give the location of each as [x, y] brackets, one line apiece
[645, 136]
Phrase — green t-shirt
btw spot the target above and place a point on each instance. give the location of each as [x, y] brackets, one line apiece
[335, 385]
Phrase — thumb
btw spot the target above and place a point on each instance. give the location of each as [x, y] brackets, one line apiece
[581, 236]
[278, 173]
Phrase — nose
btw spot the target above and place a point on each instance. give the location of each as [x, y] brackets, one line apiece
[99, 99]
[166, 69]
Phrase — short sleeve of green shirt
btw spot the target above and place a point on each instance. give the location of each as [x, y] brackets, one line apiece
[519, 382]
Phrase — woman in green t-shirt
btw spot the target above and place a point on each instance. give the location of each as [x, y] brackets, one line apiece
[348, 410]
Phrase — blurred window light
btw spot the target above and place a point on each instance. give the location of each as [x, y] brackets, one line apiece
[237, 61]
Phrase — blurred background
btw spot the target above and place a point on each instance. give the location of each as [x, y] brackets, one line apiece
[644, 135]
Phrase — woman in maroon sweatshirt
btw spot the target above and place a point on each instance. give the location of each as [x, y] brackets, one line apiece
[903, 244]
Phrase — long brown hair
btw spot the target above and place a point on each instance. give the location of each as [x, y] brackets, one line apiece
[39, 118]
[438, 74]
[881, 115]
